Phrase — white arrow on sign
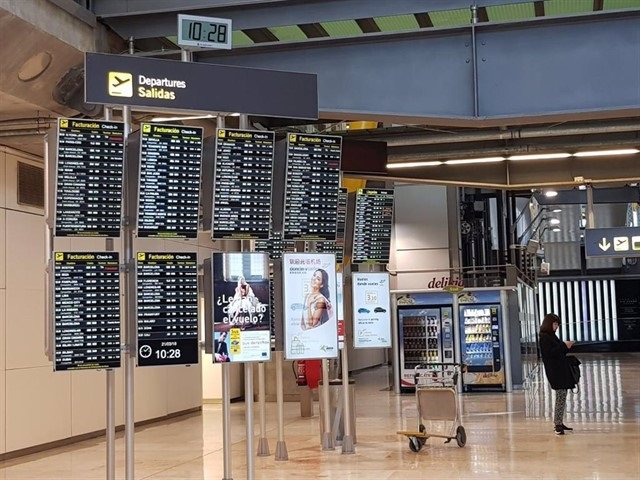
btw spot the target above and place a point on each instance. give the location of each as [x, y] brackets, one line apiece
[604, 245]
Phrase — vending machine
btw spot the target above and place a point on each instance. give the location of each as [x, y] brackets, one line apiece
[425, 336]
[481, 347]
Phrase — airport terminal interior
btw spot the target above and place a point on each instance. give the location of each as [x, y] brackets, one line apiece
[278, 239]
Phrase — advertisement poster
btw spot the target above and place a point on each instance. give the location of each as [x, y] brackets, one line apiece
[340, 310]
[310, 304]
[241, 317]
[371, 310]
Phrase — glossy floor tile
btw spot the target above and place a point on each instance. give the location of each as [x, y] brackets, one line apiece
[509, 437]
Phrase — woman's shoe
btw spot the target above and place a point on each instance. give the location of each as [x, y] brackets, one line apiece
[564, 427]
[559, 430]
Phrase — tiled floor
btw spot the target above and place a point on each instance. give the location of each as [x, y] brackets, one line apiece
[509, 437]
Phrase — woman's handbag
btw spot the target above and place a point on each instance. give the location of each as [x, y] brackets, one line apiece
[574, 366]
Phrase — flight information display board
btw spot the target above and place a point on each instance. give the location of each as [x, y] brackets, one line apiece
[169, 181]
[275, 246]
[312, 186]
[373, 222]
[337, 247]
[242, 185]
[86, 310]
[90, 160]
[167, 291]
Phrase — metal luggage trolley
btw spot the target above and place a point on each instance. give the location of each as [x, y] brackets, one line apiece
[437, 401]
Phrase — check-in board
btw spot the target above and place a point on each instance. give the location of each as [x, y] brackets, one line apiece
[275, 246]
[86, 310]
[337, 247]
[242, 185]
[167, 299]
[312, 187]
[169, 181]
[90, 161]
[372, 229]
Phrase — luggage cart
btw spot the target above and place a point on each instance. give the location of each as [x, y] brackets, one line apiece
[437, 401]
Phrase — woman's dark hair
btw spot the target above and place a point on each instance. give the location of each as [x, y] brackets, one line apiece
[547, 323]
[324, 289]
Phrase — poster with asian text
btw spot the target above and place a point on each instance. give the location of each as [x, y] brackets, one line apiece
[310, 305]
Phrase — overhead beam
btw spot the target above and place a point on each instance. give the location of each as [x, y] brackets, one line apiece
[157, 18]
[538, 70]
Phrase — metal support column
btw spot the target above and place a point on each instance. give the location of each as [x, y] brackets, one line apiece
[327, 438]
[263, 442]
[591, 223]
[281, 446]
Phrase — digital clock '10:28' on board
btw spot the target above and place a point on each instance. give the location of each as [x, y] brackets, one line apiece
[204, 32]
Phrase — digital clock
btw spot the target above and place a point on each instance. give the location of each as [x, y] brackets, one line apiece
[204, 32]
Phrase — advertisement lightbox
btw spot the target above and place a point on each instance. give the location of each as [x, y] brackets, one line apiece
[310, 306]
[241, 317]
[371, 310]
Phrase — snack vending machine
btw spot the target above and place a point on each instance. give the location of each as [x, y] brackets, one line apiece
[425, 336]
[481, 347]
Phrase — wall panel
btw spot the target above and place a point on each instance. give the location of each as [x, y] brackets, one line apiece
[183, 388]
[38, 404]
[25, 329]
[3, 246]
[150, 393]
[24, 250]
[88, 401]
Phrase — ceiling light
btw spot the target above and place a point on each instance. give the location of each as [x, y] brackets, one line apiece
[539, 156]
[554, 221]
[598, 153]
[234, 115]
[177, 119]
[475, 160]
[550, 193]
[582, 187]
[556, 229]
[413, 164]
[556, 210]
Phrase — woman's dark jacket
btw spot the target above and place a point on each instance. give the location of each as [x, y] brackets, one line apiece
[556, 365]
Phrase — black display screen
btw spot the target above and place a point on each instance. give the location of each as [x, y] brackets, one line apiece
[167, 299]
[275, 246]
[90, 160]
[86, 310]
[312, 186]
[373, 222]
[169, 189]
[242, 185]
[337, 247]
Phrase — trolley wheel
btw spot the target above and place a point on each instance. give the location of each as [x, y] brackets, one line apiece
[414, 444]
[461, 436]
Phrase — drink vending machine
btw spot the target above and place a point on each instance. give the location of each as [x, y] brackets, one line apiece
[481, 342]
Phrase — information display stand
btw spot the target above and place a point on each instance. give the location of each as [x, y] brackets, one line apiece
[373, 222]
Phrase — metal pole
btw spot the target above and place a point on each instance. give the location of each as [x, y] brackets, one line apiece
[281, 446]
[474, 55]
[395, 355]
[591, 222]
[263, 442]
[226, 400]
[327, 437]
[110, 381]
[248, 406]
[128, 319]
[506, 328]
[347, 439]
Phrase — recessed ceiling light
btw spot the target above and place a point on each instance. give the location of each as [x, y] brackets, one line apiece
[582, 187]
[466, 161]
[554, 221]
[550, 193]
[540, 156]
[556, 229]
[556, 210]
[413, 164]
[599, 153]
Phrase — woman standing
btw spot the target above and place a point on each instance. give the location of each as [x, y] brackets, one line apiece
[556, 367]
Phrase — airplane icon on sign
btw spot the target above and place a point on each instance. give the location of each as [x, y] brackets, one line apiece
[119, 81]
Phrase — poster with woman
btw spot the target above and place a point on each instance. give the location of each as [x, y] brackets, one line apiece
[310, 306]
[241, 317]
